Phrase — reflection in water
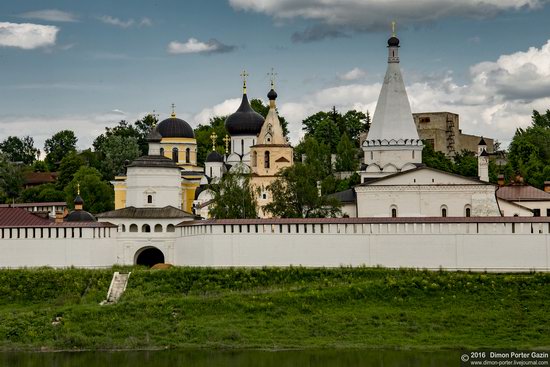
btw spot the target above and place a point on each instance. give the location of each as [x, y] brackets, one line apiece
[203, 358]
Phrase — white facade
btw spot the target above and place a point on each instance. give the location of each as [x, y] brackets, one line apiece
[240, 149]
[153, 187]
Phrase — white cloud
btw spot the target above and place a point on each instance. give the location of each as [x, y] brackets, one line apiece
[50, 15]
[221, 109]
[27, 36]
[336, 17]
[353, 74]
[193, 45]
[108, 19]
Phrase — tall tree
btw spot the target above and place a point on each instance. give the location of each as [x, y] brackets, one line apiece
[97, 194]
[115, 151]
[68, 167]
[58, 146]
[233, 197]
[138, 130]
[45, 193]
[11, 180]
[346, 159]
[19, 150]
[295, 195]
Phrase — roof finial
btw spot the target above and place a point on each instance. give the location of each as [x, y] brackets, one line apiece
[393, 28]
[173, 110]
[226, 140]
[78, 188]
[244, 75]
[214, 136]
[272, 74]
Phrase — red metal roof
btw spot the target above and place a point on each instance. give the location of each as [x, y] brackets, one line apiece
[37, 178]
[522, 193]
[30, 205]
[18, 217]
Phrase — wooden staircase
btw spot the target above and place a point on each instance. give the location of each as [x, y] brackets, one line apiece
[117, 288]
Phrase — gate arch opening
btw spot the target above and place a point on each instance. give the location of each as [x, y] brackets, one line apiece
[149, 256]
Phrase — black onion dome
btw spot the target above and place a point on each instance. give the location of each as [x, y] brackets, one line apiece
[174, 127]
[154, 136]
[80, 216]
[245, 121]
[78, 200]
[272, 95]
[214, 157]
[393, 41]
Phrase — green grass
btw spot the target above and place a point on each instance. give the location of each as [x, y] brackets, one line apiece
[274, 308]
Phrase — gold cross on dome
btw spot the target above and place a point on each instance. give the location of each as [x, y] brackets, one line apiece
[244, 75]
[214, 136]
[173, 110]
[226, 140]
[272, 74]
[393, 28]
[78, 188]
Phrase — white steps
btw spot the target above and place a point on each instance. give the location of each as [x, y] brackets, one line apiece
[117, 288]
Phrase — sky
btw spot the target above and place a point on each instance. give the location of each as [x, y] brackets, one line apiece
[85, 65]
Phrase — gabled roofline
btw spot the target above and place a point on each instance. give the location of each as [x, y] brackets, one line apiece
[474, 180]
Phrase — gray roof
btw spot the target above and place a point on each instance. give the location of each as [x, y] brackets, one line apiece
[423, 167]
[157, 213]
[153, 161]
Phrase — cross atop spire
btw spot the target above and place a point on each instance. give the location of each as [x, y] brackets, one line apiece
[272, 75]
[244, 75]
[226, 140]
[393, 23]
[173, 110]
[78, 188]
[213, 136]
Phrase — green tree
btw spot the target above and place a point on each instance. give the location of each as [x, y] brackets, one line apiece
[97, 194]
[465, 164]
[115, 151]
[58, 146]
[11, 180]
[39, 166]
[295, 195]
[68, 167]
[42, 194]
[436, 160]
[138, 130]
[529, 151]
[204, 142]
[317, 155]
[233, 197]
[346, 158]
[19, 150]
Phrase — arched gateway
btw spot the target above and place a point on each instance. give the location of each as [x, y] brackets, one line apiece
[149, 256]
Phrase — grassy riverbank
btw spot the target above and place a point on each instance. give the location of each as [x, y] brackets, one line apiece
[273, 308]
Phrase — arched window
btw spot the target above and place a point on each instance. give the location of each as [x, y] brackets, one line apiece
[149, 199]
[146, 228]
[170, 228]
[371, 156]
[242, 146]
[187, 155]
[443, 211]
[254, 159]
[158, 227]
[393, 210]
[123, 228]
[133, 228]
[175, 155]
[162, 152]
[210, 171]
[266, 159]
[468, 211]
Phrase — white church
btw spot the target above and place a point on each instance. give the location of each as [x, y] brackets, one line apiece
[403, 214]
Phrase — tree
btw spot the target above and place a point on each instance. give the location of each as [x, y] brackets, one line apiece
[39, 166]
[19, 150]
[529, 151]
[346, 155]
[97, 194]
[11, 179]
[295, 195]
[68, 167]
[436, 160]
[204, 142]
[45, 193]
[316, 155]
[233, 197]
[58, 146]
[115, 151]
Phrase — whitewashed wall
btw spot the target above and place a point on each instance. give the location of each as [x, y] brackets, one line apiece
[432, 246]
